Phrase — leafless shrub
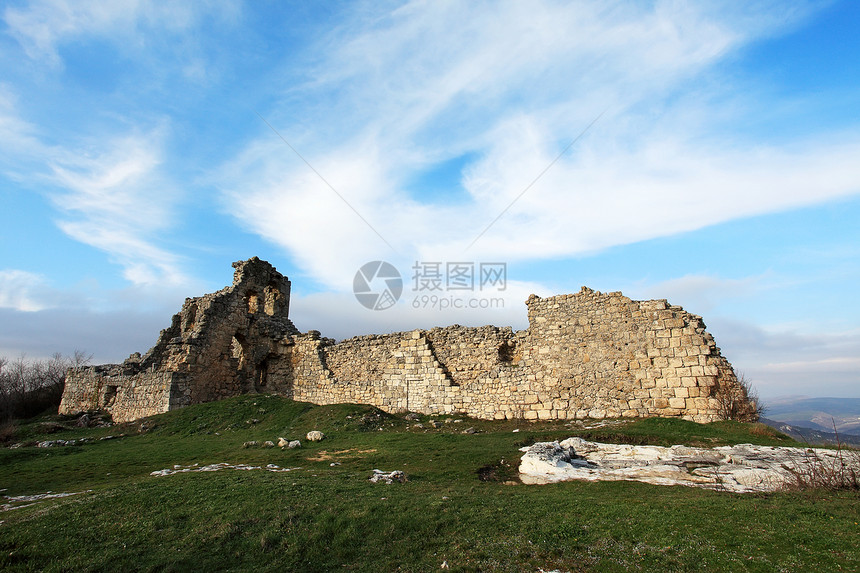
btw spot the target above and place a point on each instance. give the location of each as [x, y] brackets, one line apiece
[737, 398]
[829, 470]
[8, 432]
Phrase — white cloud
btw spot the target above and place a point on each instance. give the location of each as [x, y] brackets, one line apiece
[387, 96]
[782, 362]
[110, 189]
[42, 26]
[340, 315]
[16, 135]
[699, 293]
[512, 85]
[116, 200]
[19, 290]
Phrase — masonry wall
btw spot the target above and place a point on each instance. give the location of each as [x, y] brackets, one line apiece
[123, 394]
[584, 355]
[617, 357]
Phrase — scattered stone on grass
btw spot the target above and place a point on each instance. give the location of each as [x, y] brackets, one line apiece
[61, 443]
[315, 436]
[177, 469]
[388, 477]
[19, 501]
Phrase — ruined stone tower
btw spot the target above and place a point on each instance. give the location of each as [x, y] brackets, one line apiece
[217, 346]
[584, 355]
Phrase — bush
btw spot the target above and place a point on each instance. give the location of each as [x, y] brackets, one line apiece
[8, 432]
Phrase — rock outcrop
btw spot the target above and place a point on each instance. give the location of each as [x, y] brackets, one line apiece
[742, 468]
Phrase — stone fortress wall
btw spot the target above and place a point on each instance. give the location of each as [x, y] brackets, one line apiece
[584, 355]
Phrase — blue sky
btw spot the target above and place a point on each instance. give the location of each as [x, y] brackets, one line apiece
[144, 146]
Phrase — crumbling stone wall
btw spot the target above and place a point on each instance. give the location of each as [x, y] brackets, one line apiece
[118, 389]
[618, 357]
[218, 345]
[584, 355]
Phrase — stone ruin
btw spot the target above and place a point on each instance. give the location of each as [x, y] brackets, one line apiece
[584, 355]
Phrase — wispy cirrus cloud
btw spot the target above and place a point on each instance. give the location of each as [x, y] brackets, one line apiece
[110, 191]
[398, 93]
[42, 26]
[116, 200]
[18, 137]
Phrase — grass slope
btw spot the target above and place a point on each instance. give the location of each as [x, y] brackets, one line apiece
[461, 504]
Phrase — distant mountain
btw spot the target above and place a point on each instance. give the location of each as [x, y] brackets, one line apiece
[829, 415]
[811, 436]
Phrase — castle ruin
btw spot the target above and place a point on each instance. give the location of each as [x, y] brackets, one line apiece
[584, 355]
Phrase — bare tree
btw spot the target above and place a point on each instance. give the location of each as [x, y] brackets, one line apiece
[29, 387]
[737, 398]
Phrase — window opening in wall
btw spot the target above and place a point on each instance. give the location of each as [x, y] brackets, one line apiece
[261, 373]
[253, 301]
[506, 352]
[110, 396]
[272, 300]
[238, 350]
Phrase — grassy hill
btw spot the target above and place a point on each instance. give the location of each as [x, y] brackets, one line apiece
[462, 505]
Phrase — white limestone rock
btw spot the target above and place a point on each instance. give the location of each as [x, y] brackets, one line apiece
[315, 436]
[742, 468]
[388, 477]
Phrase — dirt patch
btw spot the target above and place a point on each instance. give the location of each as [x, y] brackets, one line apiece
[324, 455]
[501, 471]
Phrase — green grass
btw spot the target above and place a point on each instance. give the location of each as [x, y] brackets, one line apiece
[323, 517]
